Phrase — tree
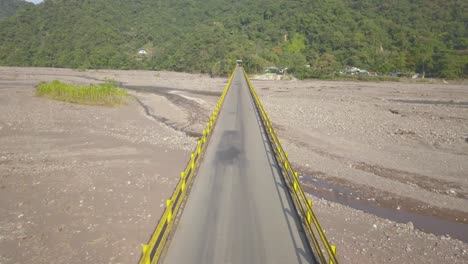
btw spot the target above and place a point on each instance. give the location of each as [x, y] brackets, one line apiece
[203, 36]
[325, 65]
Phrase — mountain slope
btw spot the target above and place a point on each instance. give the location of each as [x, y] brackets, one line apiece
[9, 7]
[206, 36]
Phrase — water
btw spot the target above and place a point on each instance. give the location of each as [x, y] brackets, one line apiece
[344, 196]
[434, 102]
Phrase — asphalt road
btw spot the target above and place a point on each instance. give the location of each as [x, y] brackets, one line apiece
[238, 210]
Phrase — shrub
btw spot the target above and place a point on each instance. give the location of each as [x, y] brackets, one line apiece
[107, 94]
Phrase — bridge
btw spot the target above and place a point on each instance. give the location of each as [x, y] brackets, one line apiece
[238, 200]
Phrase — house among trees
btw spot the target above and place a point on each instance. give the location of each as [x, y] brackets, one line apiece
[354, 71]
[142, 52]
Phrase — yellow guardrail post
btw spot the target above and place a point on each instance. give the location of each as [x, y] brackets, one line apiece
[168, 206]
[333, 248]
[192, 161]
[145, 249]
[182, 179]
[199, 145]
[295, 181]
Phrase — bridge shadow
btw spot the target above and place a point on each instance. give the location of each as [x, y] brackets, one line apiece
[229, 151]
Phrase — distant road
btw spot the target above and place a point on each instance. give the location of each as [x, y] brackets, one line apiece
[238, 210]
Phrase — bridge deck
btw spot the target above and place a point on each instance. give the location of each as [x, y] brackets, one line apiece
[238, 210]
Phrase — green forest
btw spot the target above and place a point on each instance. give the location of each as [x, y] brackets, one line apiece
[9, 7]
[412, 36]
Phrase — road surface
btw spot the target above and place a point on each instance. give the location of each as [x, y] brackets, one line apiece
[238, 210]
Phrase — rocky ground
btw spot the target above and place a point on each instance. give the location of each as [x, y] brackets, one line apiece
[394, 150]
[386, 163]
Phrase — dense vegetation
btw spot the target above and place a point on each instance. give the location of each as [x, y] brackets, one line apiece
[9, 7]
[207, 36]
[107, 94]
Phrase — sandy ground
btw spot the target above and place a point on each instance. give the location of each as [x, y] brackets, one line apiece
[386, 165]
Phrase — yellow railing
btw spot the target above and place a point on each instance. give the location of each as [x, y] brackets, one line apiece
[325, 252]
[152, 251]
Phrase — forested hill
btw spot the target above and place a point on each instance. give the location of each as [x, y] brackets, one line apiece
[9, 7]
[208, 35]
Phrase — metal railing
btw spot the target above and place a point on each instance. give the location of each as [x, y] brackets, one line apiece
[153, 250]
[324, 251]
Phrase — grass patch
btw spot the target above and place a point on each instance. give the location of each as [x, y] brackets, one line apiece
[107, 94]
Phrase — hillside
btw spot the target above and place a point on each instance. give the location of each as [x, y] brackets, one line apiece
[206, 36]
[9, 7]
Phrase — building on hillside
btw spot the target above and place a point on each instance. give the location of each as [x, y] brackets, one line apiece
[354, 71]
[142, 52]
